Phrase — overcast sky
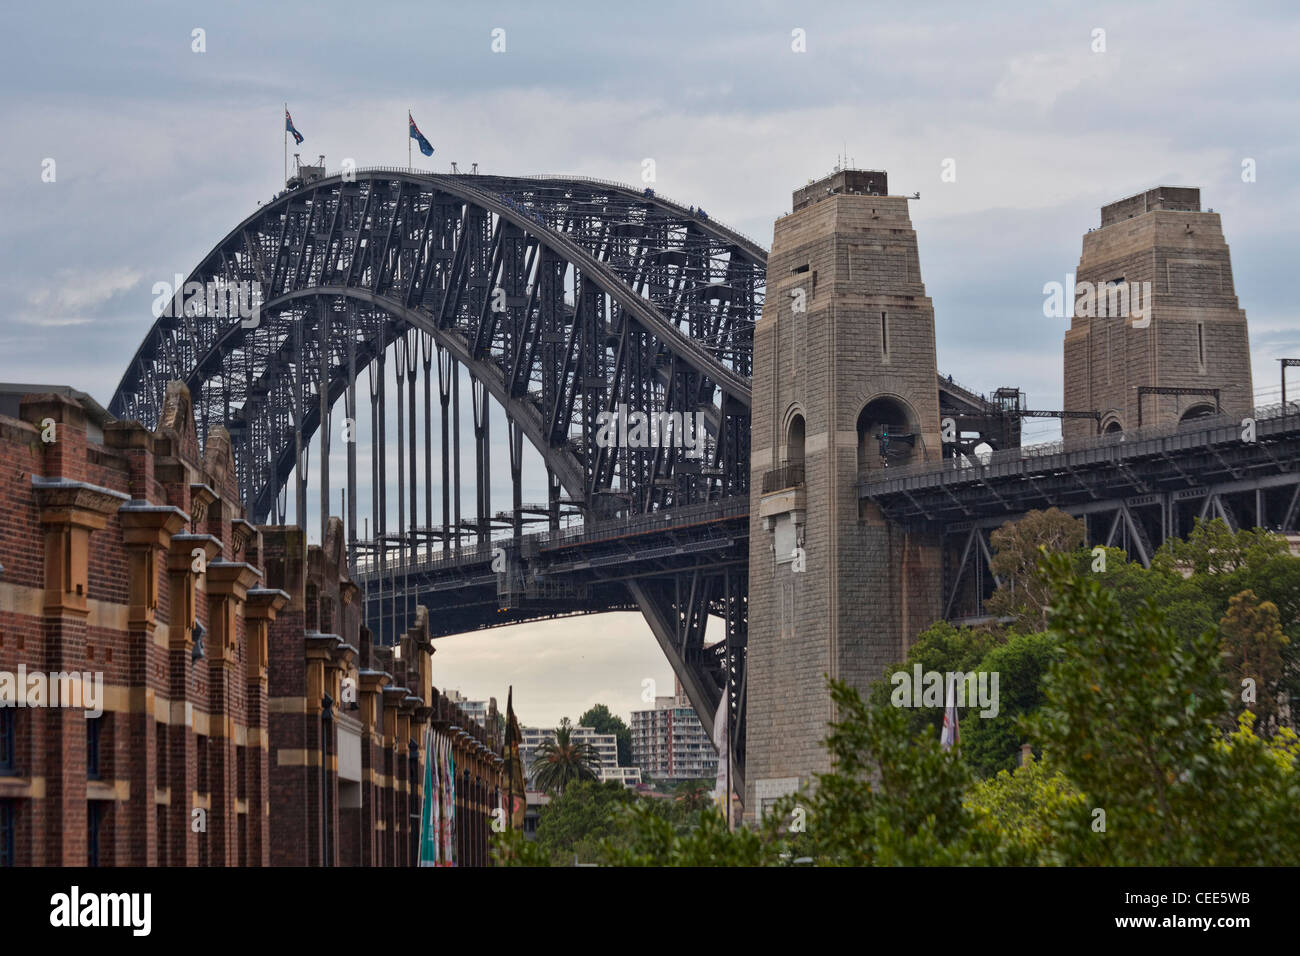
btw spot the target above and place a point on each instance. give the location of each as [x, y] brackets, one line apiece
[160, 150]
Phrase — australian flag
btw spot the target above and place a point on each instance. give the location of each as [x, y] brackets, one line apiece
[288, 128]
[416, 135]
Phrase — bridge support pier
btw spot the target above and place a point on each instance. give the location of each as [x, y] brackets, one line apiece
[844, 386]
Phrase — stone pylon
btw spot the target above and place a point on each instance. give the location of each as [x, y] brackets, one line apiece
[1155, 308]
[844, 384]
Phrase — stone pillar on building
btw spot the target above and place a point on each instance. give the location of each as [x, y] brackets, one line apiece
[148, 531]
[406, 789]
[228, 583]
[71, 510]
[260, 610]
[342, 658]
[317, 735]
[187, 561]
[393, 697]
[371, 692]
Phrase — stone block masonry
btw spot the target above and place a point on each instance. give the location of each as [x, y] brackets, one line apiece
[844, 355]
[1196, 337]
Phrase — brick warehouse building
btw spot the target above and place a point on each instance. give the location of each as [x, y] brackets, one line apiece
[246, 717]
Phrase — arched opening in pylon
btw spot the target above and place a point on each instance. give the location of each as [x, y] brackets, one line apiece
[1196, 412]
[886, 435]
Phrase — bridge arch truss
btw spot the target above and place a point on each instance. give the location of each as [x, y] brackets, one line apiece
[559, 298]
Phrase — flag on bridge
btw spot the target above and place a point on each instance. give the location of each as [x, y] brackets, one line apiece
[289, 128]
[722, 780]
[416, 135]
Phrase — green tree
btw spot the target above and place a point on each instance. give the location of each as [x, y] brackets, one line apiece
[1024, 594]
[561, 761]
[1213, 549]
[1131, 716]
[992, 743]
[578, 820]
[1214, 564]
[942, 648]
[691, 796]
[1253, 642]
[599, 718]
[892, 798]
[649, 839]
[1029, 806]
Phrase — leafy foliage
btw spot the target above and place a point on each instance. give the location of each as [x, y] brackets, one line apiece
[991, 744]
[650, 839]
[1126, 679]
[942, 648]
[600, 719]
[1253, 643]
[1030, 806]
[1131, 717]
[893, 799]
[1025, 594]
[579, 819]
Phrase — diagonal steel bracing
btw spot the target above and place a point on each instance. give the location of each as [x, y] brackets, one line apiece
[558, 299]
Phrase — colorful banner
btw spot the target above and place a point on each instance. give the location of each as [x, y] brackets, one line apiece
[449, 831]
[517, 794]
[429, 809]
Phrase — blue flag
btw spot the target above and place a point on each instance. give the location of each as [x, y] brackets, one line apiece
[416, 135]
[288, 128]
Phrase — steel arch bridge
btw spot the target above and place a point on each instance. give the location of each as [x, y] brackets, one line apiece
[561, 298]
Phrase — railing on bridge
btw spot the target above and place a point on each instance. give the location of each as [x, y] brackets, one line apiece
[733, 507]
[668, 200]
[880, 479]
[559, 177]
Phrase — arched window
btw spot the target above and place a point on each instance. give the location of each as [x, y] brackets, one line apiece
[794, 441]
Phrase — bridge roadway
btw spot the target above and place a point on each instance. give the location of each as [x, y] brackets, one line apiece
[694, 558]
[1133, 490]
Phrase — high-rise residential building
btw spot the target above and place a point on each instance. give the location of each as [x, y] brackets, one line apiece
[669, 743]
[478, 709]
[606, 748]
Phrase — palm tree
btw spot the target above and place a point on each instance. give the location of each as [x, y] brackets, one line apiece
[559, 762]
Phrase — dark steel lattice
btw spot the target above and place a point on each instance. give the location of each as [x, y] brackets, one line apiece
[562, 298]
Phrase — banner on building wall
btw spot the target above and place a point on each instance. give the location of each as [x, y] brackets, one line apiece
[517, 789]
[429, 808]
[449, 832]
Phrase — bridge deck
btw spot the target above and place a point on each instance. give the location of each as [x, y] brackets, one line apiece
[1197, 457]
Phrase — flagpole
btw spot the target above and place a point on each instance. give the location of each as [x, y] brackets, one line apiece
[286, 143]
[408, 138]
[726, 687]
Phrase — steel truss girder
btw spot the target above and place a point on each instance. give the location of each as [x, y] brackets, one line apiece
[561, 298]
